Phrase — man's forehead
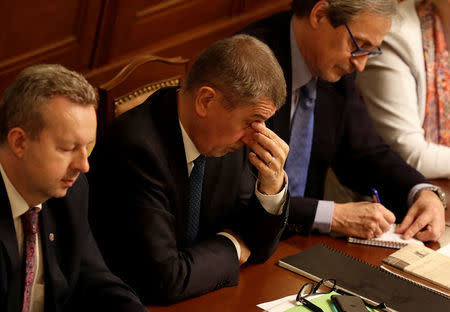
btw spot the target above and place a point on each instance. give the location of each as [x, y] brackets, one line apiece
[263, 109]
[370, 27]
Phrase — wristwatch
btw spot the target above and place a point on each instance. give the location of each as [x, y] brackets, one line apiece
[439, 192]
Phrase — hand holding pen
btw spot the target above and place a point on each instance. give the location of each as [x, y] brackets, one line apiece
[376, 198]
[362, 219]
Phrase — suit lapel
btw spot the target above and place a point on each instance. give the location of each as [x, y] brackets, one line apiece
[166, 116]
[55, 280]
[281, 47]
[11, 257]
[326, 119]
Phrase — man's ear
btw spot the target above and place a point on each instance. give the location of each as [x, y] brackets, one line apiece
[17, 141]
[319, 13]
[204, 99]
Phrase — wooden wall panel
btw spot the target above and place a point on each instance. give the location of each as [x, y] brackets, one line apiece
[97, 37]
[46, 31]
[251, 5]
[133, 24]
[156, 26]
[173, 27]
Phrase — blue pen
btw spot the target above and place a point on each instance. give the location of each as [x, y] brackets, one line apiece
[375, 196]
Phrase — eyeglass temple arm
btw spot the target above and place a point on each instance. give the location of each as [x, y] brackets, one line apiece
[351, 35]
[310, 305]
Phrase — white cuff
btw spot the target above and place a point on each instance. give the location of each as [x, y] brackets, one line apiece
[273, 204]
[413, 192]
[324, 216]
[234, 241]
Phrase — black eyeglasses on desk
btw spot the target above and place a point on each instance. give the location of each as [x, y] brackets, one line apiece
[325, 286]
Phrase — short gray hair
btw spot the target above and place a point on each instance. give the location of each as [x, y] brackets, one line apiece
[344, 11]
[22, 103]
[243, 68]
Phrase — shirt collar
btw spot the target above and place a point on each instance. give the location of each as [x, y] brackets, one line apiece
[18, 204]
[189, 147]
[300, 71]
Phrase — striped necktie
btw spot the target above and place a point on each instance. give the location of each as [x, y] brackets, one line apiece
[30, 230]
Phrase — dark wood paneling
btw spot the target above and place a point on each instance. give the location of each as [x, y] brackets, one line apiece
[46, 31]
[97, 37]
[250, 5]
[150, 26]
[132, 24]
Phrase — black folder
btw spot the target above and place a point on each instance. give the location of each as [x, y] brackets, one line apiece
[365, 280]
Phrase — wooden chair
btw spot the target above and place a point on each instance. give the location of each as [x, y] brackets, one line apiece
[135, 82]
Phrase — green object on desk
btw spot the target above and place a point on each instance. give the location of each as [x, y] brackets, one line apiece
[323, 302]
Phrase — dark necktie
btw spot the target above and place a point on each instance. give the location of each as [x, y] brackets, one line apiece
[300, 141]
[195, 198]
[30, 230]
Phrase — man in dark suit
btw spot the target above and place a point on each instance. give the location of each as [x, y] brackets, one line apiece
[319, 45]
[144, 177]
[48, 257]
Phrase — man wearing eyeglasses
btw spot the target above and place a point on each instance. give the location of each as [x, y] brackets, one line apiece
[319, 45]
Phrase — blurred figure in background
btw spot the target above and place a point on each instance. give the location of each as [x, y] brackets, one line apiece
[407, 88]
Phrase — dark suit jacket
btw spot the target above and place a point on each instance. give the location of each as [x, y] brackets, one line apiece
[76, 278]
[139, 191]
[344, 137]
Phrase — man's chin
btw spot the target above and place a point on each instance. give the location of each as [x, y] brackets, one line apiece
[333, 77]
[216, 153]
[221, 152]
[335, 74]
[61, 192]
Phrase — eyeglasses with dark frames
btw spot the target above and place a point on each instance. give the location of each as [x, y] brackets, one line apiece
[324, 286]
[360, 51]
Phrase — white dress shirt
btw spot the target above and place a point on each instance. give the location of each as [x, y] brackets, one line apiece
[273, 204]
[18, 207]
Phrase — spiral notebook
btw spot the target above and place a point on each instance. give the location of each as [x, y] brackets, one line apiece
[389, 239]
[364, 280]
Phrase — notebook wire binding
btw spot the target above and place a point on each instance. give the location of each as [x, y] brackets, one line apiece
[373, 267]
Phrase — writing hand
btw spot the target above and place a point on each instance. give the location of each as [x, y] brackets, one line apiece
[361, 219]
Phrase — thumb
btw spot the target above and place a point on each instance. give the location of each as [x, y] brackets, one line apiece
[406, 223]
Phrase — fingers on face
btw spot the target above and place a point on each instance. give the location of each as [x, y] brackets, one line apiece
[263, 166]
[263, 152]
[269, 139]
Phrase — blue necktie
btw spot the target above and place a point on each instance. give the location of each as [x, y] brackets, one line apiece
[300, 141]
[195, 198]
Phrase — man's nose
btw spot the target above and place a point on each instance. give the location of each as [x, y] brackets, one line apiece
[359, 62]
[81, 163]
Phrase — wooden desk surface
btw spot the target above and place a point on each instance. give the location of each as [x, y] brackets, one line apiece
[265, 282]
